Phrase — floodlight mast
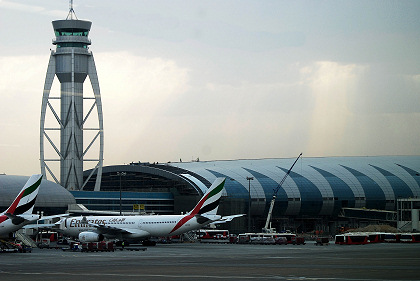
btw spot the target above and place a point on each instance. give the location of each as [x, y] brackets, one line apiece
[270, 211]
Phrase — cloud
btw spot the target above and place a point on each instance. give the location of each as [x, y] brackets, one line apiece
[9, 145]
[352, 115]
[154, 111]
[31, 9]
[331, 85]
[136, 92]
[21, 79]
[383, 90]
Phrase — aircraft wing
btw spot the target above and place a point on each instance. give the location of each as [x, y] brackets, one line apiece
[115, 231]
[53, 217]
[215, 219]
[21, 218]
[227, 218]
[111, 230]
[40, 225]
[45, 225]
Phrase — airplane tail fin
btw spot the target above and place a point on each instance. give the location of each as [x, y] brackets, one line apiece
[209, 203]
[25, 200]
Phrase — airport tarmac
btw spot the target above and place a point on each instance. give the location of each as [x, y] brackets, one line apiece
[195, 261]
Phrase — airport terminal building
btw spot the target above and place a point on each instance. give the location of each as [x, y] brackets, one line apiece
[319, 194]
[322, 193]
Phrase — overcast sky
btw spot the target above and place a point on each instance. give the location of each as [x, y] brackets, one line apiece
[224, 79]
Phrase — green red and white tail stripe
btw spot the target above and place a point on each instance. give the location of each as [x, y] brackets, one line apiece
[208, 204]
[25, 200]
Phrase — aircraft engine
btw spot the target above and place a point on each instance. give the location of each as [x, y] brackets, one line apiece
[89, 236]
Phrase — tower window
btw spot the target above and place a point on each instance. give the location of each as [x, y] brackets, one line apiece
[72, 44]
[71, 32]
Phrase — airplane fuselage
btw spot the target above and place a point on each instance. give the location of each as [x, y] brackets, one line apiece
[96, 228]
[7, 225]
[132, 227]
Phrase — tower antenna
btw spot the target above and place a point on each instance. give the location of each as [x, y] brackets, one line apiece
[71, 12]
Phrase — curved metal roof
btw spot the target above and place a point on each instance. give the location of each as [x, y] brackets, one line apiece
[50, 194]
[317, 185]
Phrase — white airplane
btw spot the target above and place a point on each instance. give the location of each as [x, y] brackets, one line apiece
[19, 213]
[140, 227]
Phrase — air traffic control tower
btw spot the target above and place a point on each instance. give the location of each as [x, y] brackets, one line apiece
[71, 62]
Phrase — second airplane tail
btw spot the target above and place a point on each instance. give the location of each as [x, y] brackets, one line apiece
[207, 206]
[209, 203]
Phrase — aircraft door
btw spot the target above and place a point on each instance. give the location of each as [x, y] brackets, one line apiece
[140, 224]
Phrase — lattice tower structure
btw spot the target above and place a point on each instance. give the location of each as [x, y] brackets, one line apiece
[71, 62]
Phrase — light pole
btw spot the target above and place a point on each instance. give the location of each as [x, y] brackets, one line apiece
[121, 174]
[37, 235]
[249, 179]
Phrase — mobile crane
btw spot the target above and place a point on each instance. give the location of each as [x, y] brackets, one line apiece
[266, 228]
